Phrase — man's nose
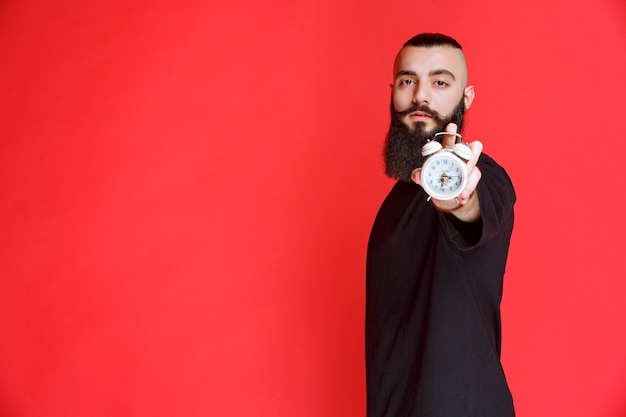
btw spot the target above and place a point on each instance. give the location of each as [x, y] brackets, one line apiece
[422, 94]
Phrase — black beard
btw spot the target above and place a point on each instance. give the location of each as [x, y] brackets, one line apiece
[403, 147]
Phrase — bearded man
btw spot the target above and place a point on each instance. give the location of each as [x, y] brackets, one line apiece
[435, 268]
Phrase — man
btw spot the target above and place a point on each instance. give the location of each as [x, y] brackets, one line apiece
[435, 267]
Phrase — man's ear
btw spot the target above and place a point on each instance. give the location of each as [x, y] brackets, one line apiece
[468, 96]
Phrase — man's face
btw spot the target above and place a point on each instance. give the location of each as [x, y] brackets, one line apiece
[429, 82]
[428, 93]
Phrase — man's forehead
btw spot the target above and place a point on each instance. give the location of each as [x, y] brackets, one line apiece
[423, 60]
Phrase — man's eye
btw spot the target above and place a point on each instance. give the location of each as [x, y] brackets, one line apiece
[440, 83]
[406, 82]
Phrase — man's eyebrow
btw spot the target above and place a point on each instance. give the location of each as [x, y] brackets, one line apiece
[405, 72]
[433, 72]
[442, 72]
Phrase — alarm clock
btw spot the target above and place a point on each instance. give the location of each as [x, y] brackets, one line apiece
[444, 172]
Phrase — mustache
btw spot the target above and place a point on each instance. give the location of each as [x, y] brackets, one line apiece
[419, 107]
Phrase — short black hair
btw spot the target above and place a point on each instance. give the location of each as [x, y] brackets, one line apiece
[430, 40]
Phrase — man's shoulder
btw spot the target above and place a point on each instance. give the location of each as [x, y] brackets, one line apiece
[487, 160]
[493, 171]
[402, 191]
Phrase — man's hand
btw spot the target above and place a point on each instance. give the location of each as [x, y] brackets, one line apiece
[466, 208]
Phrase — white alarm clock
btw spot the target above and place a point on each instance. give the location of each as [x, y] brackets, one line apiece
[444, 172]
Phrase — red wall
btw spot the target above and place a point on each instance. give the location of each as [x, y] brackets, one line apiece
[187, 192]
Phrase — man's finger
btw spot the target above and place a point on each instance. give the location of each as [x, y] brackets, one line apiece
[477, 148]
[449, 140]
[416, 176]
[470, 187]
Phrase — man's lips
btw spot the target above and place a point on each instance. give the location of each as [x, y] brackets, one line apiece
[420, 116]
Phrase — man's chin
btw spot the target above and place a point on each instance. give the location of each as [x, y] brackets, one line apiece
[423, 128]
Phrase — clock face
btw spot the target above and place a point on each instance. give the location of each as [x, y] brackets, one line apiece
[444, 176]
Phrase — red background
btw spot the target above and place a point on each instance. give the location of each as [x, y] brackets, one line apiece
[188, 188]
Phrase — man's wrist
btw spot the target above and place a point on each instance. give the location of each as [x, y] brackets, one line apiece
[468, 212]
[446, 205]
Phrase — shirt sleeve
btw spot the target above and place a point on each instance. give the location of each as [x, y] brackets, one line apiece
[496, 197]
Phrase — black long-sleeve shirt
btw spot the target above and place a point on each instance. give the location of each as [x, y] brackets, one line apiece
[433, 292]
